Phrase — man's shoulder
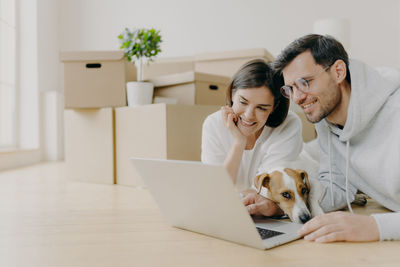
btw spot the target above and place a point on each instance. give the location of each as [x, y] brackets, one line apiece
[394, 98]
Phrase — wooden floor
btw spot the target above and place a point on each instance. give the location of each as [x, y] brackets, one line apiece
[46, 220]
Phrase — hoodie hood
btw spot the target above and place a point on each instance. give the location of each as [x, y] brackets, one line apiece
[370, 89]
[365, 155]
[371, 86]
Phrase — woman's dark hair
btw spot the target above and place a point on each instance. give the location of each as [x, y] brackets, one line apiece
[325, 50]
[255, 74]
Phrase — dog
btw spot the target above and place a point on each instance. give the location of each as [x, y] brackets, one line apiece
[297, 191]
[293, 191]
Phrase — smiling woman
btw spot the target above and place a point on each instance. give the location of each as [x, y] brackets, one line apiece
[255, 131]
[251, 108]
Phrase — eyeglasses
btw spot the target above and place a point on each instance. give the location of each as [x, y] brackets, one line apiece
[301, 84]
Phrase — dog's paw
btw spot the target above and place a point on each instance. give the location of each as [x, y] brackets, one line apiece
[360, 200]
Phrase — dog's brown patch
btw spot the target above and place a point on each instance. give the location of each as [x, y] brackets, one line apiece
[300, 178]
[261, 180]
[277, 187]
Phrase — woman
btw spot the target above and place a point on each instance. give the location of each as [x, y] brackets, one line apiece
[255, 131]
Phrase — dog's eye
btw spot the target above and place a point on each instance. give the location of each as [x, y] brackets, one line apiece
[304, 190]
[286, 195]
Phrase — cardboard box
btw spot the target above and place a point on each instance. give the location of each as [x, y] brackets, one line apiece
[309, 132]
[227, 63]
[165, 66]
[192, 88]
[89, 145]
[95, 79]
[157, 131]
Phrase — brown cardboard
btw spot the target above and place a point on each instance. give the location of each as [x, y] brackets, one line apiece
[95, 79]
[157, 131]
[192, 88]
[227, 63]
[309, 132]
[89, 145]
[165, 66]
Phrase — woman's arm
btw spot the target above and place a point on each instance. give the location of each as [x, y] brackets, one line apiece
[234, 157]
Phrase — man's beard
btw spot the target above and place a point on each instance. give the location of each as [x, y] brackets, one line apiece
[325, 110]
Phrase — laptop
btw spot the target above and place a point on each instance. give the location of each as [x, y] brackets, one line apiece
[202, 198]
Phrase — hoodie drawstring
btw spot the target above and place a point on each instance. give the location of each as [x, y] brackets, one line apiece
[347, 172]
[347, 175]
[330, 169]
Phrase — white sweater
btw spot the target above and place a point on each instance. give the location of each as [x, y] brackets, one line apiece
[273, 146]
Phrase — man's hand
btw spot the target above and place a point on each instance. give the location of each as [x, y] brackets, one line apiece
[259, 205]
[340, 226]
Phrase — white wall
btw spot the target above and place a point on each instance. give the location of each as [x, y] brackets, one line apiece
[27, 90]
[48, 46]
[28, 104]
[189, 27]
[40, 124]
[49, 75]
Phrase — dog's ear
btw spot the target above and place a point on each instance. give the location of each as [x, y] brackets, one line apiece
[261, 180]
[304, 177]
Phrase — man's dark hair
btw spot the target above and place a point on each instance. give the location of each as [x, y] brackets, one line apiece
[255, 74]
[325, 50]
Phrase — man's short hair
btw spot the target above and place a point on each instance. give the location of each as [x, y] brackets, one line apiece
[324, 48]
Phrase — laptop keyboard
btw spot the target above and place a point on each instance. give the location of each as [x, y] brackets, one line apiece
[265, 233]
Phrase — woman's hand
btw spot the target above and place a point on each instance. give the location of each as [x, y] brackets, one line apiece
[259, 205]
[230, 119]
[234, 157]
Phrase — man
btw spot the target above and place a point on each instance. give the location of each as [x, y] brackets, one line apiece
[356, 111]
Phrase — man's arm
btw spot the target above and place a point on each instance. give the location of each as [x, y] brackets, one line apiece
[340, 226]
[343, 226]
[388, 225]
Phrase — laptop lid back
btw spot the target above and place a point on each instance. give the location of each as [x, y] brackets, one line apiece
[199, 198]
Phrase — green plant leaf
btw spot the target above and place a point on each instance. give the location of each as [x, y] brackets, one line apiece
[138, 43]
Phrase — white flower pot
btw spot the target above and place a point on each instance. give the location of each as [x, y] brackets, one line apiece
[139, 93]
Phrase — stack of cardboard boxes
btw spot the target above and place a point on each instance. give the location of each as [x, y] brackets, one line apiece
[94, 85]
[102, 133]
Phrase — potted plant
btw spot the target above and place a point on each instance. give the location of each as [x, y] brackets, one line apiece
[140, 46]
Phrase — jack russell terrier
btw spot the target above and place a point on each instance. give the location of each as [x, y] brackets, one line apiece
[297, 192]
[293, 191]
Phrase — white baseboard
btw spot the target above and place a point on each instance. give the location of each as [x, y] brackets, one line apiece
[19, 158]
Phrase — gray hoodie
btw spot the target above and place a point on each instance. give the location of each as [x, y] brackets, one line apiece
[365, 154]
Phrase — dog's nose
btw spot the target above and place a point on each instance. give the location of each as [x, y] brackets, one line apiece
[304, 217]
